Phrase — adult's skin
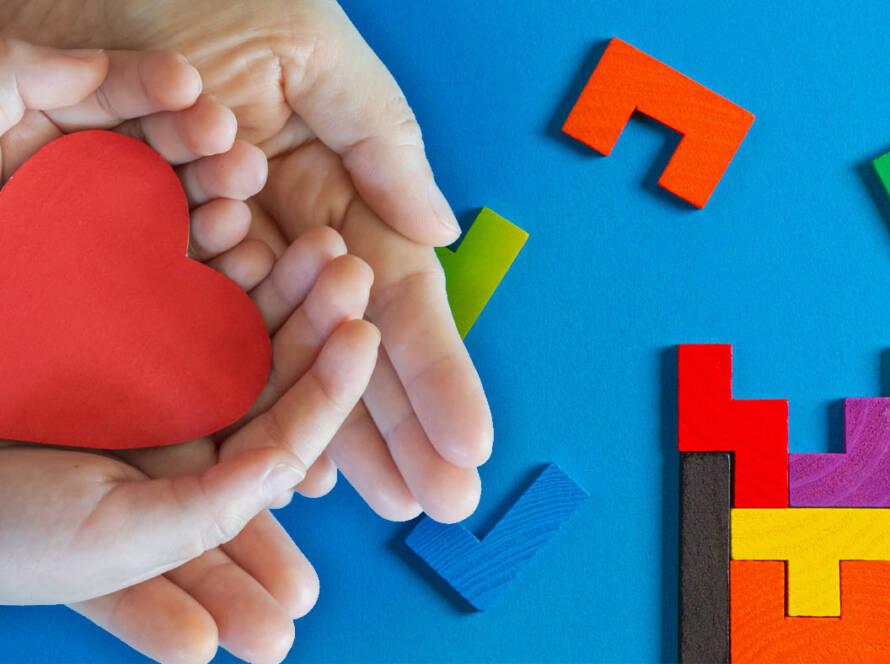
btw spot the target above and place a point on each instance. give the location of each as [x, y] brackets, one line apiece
[344, 151]
[170, 548]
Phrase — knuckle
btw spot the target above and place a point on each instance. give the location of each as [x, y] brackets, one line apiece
[223, 527]
[403, 122]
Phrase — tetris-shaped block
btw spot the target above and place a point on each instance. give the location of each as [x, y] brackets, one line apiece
[860, 477]
[710, 420]
[705, 502]
[813, 540]
[480, 569]
[473, 272]
[763, 634]
[627, 80]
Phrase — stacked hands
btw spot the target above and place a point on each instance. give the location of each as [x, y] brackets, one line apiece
[172, 549]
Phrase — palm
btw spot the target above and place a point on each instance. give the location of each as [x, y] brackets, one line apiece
[424, 425]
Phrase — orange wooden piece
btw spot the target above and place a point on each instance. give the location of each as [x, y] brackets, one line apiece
[628, 80]
[761, 632]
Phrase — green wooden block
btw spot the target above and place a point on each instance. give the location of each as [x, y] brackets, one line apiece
[882, 168]
[473, 272]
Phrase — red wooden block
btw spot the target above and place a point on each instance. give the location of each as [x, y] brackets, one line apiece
[112, 337]
[710, 420]
[763, 634]
[628, 80]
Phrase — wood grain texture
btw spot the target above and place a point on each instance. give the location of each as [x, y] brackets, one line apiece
[813, 540]
[860, 477]
[480, 570]
[763, 634]
[705, 502]
[710, 420]
[627, 80]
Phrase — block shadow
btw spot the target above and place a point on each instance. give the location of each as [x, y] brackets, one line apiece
[670, 505]
[877, 194]
[564, 107]
[671, 138]
[835, 412]
[884, 376]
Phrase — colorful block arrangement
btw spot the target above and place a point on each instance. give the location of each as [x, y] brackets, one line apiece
[789, 570]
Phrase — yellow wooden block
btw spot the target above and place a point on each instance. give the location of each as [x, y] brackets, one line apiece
[813, 540]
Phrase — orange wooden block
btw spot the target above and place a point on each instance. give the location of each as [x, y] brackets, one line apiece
[625, 80]
[761, 632]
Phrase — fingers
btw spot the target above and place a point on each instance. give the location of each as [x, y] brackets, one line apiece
[266, 552]
[362, 456]
[252, 625]
[217, 226]
[351, 102]
[320, 480]
[295, 273]
[339, 294]
[138, 83]
[433, 365]
[158, 619]
[203, 129]
[239, 173]
[147, 527]
[408, 302]
[247, 264]
[41, 78]
[447, 492]
[307, 416]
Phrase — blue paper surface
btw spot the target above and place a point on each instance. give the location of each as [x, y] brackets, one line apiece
[789, 262]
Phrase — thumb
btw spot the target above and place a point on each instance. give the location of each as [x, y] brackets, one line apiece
[147, 527]
[41, 78]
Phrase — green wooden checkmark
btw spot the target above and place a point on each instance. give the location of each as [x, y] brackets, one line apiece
[473, 272]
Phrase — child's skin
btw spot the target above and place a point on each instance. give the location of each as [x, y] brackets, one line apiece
[92, 529]
[344, 152]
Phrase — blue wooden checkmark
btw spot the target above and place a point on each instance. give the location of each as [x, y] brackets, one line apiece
[480, 569]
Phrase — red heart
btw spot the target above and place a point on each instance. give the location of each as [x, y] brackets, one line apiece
[110, 336]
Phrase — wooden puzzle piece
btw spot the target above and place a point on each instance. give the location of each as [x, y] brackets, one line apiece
[860, 477]
[705, 502]
[763, 634]
[710, 420]
[480, 569]
[813, 540]
[473, 272]
[628, 80]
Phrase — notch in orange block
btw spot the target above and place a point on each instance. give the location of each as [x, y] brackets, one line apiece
[761, 632]
[628, 80]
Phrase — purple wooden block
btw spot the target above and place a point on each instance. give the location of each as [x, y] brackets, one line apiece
[858, 478]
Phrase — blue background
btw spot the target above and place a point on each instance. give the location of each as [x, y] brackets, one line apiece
[789, 261]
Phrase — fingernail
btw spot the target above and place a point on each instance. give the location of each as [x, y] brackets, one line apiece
[281, 478]
[443, 210]
[84, 53]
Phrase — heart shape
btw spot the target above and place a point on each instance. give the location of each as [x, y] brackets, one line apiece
[110, 337]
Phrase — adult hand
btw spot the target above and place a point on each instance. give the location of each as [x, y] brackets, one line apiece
[345, 151]
[170, 548]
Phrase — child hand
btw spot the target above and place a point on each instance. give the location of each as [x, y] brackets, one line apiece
[92, 529]
[345, 151]
[247, 592]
